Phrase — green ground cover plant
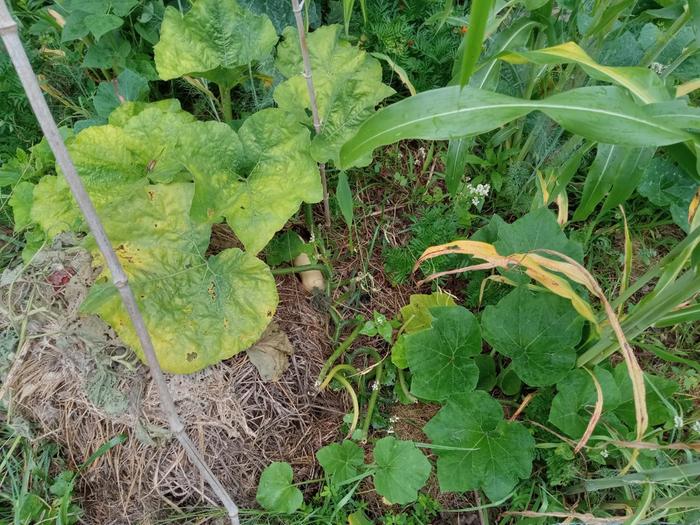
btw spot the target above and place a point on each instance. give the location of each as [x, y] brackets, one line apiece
[522, 176]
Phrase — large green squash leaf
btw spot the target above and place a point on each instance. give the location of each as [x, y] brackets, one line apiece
[216, 39]
[606, 114]
[401, 470]
[481, 449]
[199, 310]
[537, 331]
[347, 81]
[280, 175]
[416, 316]
[441, 358]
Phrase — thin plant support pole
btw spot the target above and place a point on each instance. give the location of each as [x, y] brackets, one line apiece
[10, 37]
[301, 29]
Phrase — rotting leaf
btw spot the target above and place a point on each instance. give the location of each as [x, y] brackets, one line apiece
[486, 451]
[270, 355]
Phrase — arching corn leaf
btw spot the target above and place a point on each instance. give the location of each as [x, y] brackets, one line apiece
[347, 81]
[401, 470]
[478, 449]
[276, 492]
[537, 331]
[441, 358]
[601, 113]
[216, 39]
[646, 85]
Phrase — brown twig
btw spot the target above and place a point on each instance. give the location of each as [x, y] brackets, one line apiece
[10, 37]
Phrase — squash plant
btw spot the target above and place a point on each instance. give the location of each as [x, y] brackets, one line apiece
[160, 179]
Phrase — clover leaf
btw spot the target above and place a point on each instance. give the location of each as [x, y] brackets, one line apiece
[401, 470]
[537, 331]
[276, 492]
[216, 39]
[341, 461]
[441, 358]
[347, 81]
[483, 451]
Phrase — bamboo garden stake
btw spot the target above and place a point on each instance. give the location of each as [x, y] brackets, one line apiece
[10, 37]
[296, 8]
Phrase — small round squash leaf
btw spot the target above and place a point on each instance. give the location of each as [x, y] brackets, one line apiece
[276, 492]
[341, 461]
[441, 358]
[401, 470]
[537, 331]
[488, 452]
[213, 40]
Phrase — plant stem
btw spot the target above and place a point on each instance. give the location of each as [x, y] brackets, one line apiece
[338, 352]
[226, 109]
[299, 269]
[8, 32]
[296, 8]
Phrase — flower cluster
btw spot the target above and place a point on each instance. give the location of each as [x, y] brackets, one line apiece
[477, 193]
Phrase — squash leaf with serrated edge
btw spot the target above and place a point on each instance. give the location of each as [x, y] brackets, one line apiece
[490, 453]
[576, 396]
[347, 81]
[441, 358]
[401, 470]
[216, 39]
[573, 405]
[341, 461]
[276, 492]
[537, 331]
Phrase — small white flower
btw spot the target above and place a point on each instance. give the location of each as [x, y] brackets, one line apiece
[375, 386]
[394, 419]
[604, 454]
[390, 430]
[678, 421]
[475, 201]
[400, 155]
[696, 426]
